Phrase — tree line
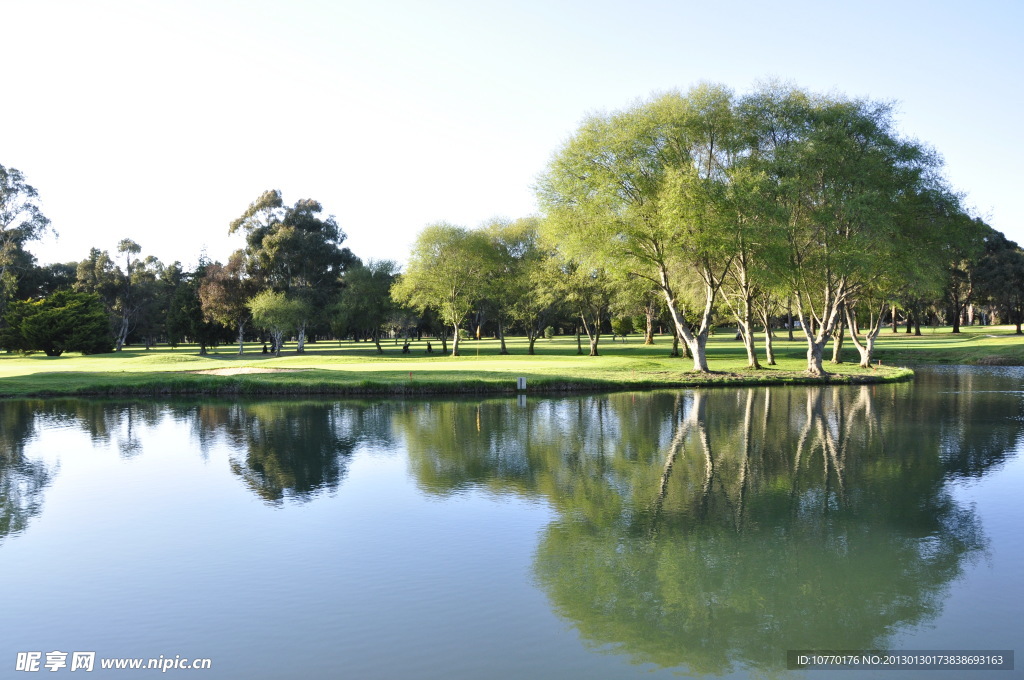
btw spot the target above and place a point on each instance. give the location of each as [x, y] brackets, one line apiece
[779, 208]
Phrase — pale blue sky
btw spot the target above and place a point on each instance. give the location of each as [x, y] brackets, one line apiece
[162, 121]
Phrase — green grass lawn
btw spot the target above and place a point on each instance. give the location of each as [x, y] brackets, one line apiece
[356, 368]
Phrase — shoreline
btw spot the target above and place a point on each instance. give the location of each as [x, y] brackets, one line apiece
[248, 384]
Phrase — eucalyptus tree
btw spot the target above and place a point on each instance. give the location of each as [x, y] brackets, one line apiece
[127, 305]
[641, 191]
[449, 270]
[291, 249]
[21, 220]
[131, 295]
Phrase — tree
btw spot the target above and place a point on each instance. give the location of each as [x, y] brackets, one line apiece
[40, 282]
[224, 293]
[838, 172]
[641, 192]
[185, 318]
[21, 220]
[62, 322]
[999, 277]
[964, 250]
[448, 270]
[365, 306]
[278, 314]
[517, 288]
[294, 251]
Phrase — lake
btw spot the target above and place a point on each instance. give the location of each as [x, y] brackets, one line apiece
[702, 532]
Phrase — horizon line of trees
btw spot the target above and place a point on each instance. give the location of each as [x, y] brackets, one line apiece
[687, 211]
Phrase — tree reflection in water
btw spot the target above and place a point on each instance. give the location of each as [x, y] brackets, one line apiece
[22, 480]
[716, 530]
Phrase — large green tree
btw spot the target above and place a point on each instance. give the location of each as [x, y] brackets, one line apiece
[642, 191]
[838, 174]
[293, 250]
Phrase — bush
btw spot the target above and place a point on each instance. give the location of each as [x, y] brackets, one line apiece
[63, 322]
[549, 332]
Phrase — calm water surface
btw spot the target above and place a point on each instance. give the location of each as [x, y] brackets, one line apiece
[626, 535]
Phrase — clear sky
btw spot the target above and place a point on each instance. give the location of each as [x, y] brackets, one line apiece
[162, 121]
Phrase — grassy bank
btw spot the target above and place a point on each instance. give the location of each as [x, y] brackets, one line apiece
[348, 368]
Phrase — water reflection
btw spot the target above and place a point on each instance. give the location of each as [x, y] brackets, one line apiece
[293, 450]
[22, 480]
[706, 530]
[715, 530]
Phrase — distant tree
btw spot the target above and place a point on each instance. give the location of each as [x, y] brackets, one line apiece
[365, 306]
[291, 249]
[966, 247]
[40, 282]
[21, 221]
[64, 321]
[999, 278]
[185, 318]
[224, 292]
[515, 288]
[449, 270]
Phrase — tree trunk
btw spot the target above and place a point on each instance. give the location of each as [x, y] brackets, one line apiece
[241, 337]
[675, 345]
[301, 345]
[593, 334]
[444, 343]
[814, 352]
[747, 334]
[455, 342]
[579, 344]
[122, 334]
[376, 341]
[769, 337]
[649, 331]
[789, 317]
[501, 336]
[278, 341]
[868, 348]
[532, 337]
[837, 343]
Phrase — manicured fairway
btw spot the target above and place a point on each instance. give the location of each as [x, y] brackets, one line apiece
[357, 368]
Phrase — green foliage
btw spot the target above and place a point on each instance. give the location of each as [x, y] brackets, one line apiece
[450, 268]
[291, 249]
[185, 319]
[278, 314]
[62, 322]
[21, 221]
[365, 305]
